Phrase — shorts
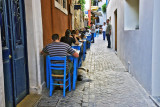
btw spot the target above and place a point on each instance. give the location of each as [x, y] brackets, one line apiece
[61, 72]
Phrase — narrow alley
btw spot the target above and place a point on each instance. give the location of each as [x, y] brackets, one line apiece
[107, 84]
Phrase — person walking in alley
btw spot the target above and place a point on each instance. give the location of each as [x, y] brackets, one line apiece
[93, 29]
[104, 30]
[108, 33]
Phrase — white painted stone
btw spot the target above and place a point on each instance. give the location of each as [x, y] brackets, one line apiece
[34, 45]
[102, 18]
[156, 51]
[134, 46]
[2, 96]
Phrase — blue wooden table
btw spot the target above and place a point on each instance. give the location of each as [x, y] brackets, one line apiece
[78, 47]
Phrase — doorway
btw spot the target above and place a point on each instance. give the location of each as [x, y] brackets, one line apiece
[14, 48]
[115, 14]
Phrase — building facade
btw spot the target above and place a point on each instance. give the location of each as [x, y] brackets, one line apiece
[102, 18]
[57, 17]
[31, 25]
[21, 65]
[135, 37]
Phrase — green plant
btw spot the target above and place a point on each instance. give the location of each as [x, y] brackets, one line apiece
[92, 1]
[89, 27]
[82, 2]
[104, 8]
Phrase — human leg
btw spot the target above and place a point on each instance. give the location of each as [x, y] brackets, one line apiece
[109, 41]
[104, 34]
[92, 37]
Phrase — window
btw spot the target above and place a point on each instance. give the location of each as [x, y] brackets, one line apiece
[61, 5]
[64, 4]
[17, 19]
[131, 15]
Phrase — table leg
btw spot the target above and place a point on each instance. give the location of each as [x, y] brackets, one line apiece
[74, 73]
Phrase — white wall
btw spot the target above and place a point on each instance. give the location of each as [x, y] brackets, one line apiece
[156, 50]
[2, 96]
[35, 45]
[135, 46]
[131, 14]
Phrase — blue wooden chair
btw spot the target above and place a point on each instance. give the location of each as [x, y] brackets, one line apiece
[47, 71]
[84, 50]
[53, 66]
[76, 47]
[97, 32]
[89, 39]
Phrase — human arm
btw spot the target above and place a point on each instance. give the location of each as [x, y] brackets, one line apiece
[44, 51]
[76, 41]
[71, 51]
[75, 54]
[110, 30]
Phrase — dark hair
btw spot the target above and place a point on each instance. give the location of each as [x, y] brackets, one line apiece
[73, 32]
[104, 22]
[55, 37]
[82, 35]
[91, 23]
[108, 20]
[67, 34]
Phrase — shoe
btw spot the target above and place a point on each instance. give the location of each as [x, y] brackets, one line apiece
[108, 47]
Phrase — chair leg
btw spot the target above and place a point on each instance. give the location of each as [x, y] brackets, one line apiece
[69, 82]
[64, 87]
[51, 86]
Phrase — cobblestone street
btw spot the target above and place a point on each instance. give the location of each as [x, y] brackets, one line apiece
[107, 84]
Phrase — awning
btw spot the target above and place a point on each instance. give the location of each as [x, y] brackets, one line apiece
[94, 8]
[96, 13]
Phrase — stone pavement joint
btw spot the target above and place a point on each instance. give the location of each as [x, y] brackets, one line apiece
[109, 85]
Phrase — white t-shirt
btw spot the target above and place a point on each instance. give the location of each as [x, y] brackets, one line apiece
[93, 28]
[104, 27]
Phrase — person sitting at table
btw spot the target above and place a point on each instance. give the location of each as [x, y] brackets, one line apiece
[77, 34]
[82, 36]
[68, 38]
[74, 36]
[57, 48]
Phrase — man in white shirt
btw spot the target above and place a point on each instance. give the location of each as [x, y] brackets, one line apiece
[104, 30]
[93, 30]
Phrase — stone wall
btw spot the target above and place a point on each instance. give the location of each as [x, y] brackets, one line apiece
[34, 45]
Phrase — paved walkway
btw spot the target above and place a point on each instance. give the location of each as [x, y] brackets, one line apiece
[110, 85]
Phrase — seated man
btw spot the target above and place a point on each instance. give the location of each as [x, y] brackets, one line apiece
[57, 48]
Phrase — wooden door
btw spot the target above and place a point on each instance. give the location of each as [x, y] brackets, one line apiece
[14, 51]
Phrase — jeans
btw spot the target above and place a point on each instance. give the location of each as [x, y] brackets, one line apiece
[104, 35]
[92, 37]
[109, 40]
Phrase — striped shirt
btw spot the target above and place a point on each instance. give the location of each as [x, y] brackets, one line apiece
[58, 49]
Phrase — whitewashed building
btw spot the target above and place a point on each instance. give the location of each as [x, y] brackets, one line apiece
[102, 18]
[135, 38]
